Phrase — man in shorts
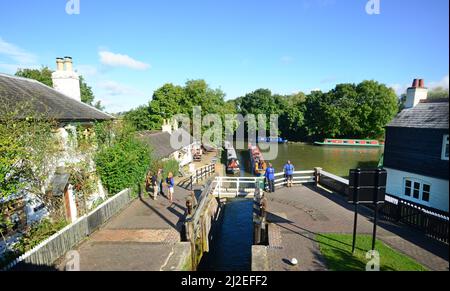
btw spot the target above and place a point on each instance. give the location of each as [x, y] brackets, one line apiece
[289, 173]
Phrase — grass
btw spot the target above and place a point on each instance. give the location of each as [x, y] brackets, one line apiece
[337, 251]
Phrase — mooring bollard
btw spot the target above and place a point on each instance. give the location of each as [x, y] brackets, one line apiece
[317, 172]
[189, 206]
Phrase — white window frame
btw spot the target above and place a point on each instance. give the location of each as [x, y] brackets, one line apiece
[444, 147]
[422, 183]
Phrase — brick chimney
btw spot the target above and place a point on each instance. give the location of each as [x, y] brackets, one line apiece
[416, 93]
[65, 80]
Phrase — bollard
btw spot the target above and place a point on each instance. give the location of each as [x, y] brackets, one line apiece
[317, 172]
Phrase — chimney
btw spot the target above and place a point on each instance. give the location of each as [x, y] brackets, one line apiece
[65, 80]
[421, 83]
[69, 64]
[59, 64]
[167, 127]
[416, 93]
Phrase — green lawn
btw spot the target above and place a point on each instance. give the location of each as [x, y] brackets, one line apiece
[337, 251]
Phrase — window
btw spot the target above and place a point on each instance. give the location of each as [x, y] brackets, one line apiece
[445, 148]
[408, 186]
[426, 193]
[417, 189]
[416, 193]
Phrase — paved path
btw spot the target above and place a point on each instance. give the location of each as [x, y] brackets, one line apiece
[302, 212]
[140, 238]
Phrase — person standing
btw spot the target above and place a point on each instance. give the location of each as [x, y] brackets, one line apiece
[270, 177]
[171, 185]
[289, 173]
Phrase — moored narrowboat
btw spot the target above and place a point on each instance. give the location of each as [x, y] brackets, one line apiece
[350, 143]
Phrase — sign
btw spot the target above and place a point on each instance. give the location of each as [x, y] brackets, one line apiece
[367, 186]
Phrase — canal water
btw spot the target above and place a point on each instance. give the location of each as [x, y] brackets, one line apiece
[231, 249]
[336, 160]
[233, 239]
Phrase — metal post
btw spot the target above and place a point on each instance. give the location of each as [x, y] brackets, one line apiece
[375, 222]
[354, 228]
[355, 200]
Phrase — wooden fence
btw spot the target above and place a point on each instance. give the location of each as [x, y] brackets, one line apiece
[47, 252]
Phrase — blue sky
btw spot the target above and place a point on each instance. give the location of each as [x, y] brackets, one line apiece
[127, 49]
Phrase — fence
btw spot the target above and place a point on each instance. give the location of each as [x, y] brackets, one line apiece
[432, 222]
[47, 252]
[233, 187]
[198, 225]
[200, 174]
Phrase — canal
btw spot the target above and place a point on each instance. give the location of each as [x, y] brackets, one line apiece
[336, 160]
[235, 233]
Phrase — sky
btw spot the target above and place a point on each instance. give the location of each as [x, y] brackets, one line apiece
[127, 49]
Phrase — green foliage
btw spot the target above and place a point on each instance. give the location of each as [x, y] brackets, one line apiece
[350, 111]
[438, 93]
[35, 235]
[27, 148]
[44, 75]
[170, 100]
[337, 251]
[124, 163]
[168, 166]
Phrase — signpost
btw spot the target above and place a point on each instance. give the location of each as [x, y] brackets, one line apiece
[367, 186]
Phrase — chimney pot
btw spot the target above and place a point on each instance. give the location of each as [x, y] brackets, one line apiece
[421, 83]
[415, 83]
[69, 64]
[59, 64]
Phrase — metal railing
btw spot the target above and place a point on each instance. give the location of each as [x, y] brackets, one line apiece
[232, 187]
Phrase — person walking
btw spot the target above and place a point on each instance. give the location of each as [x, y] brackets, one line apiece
[155, 187]
[148, 183]
[171, 185]
[270, 177]
[289, 173]
[161, 181]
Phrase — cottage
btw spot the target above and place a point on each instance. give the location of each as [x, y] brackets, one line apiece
[171, 143]
[417, 151]
[63, 105]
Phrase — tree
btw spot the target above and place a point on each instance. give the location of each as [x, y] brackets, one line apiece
[438, 93]
[44, 75]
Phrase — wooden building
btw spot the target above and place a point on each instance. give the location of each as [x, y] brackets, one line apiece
[417, 151]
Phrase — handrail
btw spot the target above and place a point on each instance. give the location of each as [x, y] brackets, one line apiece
[334, 177]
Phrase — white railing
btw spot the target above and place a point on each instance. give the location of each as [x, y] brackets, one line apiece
[226, 187]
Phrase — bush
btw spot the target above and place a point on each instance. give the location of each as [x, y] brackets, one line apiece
[168, 166]
[31, 238]
[123, 165]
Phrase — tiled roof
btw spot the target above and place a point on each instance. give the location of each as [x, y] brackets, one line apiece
[425, 115]
[160, 142]
[33, 97]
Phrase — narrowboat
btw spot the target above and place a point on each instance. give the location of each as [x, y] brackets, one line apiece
[257, 163]
[233, 166]
[350, 143]
[279, 140]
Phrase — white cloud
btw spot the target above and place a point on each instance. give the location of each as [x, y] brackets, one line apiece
[442, 83]
[113, 88]
[16, 53]
[120, 60]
